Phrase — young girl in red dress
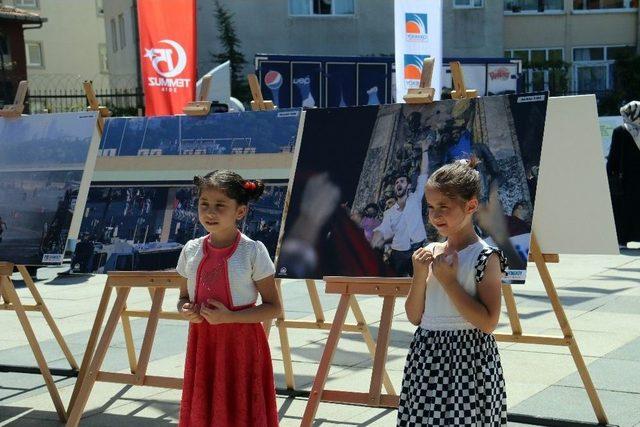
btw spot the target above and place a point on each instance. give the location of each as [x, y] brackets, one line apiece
[228, 376]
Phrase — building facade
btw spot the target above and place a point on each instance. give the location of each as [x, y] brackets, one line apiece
[587, 34]
[13, 58]
[70, 48]
[569, 46]
[121, 25]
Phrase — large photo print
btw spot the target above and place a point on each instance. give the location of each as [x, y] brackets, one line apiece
[43, 159]
[357, 201]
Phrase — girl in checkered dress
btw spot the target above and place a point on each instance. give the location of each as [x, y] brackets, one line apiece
[453, 375]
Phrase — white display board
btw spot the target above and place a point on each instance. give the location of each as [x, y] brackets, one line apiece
[573, 213]
[607, 125]
[418, 35]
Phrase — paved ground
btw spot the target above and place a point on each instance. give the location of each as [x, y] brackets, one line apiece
[601, 295]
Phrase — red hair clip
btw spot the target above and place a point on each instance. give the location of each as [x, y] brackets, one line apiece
[249, 185]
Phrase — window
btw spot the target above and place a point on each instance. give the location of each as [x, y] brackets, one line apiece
[537, 68]
[28, 4]
[536, 6]
[34, 54]
[467, 4]
[114, 36]
[594, 67]
[321, 7]
[123, 40]
[604, 4]
[102, 57]
[100, 7]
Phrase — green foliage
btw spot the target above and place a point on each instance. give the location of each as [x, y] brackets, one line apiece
[558, 74]
[626, 85]
[231, 52]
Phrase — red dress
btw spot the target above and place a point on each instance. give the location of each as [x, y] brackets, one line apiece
[228, 376]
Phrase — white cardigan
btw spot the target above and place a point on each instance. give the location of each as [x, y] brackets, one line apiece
[249, 263]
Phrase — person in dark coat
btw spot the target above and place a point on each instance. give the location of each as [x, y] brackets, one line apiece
[623, 171]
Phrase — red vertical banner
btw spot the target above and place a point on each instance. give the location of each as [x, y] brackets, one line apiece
[167, 54]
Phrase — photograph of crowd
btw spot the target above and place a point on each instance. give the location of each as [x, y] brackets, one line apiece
[39, 190]
[357, 205]
[144, 228]
[215, 134]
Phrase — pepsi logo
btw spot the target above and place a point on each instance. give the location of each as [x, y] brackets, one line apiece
[273, 80]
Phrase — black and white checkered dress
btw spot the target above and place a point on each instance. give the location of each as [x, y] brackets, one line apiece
[454, 377]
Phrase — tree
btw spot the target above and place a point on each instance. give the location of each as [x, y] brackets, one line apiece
[231, 52]
[626, 85]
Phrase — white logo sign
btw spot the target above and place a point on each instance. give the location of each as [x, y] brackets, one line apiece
[160, 55]
[157, 56]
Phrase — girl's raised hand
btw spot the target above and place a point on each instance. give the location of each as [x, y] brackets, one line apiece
[189, 311]
[445, 268]
[215, 313]
[421, 260]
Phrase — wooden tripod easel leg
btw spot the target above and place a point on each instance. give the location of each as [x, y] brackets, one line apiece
[566, 330]
[325, 363]
[91, 345]
[90, 377]
[284, 340]
[128, 339]
[149, 334]
[315, 300]
[512, 310]
[10, 292]
[47, 316]
[368, 339]
[382, 346]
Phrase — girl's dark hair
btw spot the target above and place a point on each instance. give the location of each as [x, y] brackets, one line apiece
[459, 179]
[230, 183]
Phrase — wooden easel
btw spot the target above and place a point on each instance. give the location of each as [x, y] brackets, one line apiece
[259, 104]
[157, 284]
[390, 289]
[94, 105]
[460, 91]
[201, 106]
[16, 109]
[11, 301]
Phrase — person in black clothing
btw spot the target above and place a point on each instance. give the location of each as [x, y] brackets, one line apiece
[623, 171]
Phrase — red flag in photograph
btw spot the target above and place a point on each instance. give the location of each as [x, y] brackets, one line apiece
[167, 54]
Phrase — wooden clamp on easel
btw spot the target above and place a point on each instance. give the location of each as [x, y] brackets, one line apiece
[320, 323]
[258, 103]
[460, 91]
[348, 287]
[390, 289]
[94, 105]
[202, 106]
[157, 284]
[11, 301]
[16, 109]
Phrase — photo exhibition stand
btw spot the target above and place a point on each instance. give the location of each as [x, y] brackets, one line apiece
[320, 323]
[10, 301]
[391, 288]
[157, 283]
